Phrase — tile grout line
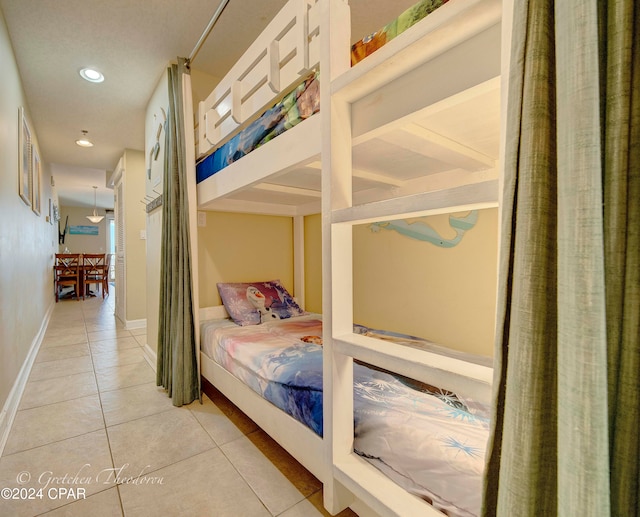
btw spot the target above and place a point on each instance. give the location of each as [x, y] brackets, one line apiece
[104, 421]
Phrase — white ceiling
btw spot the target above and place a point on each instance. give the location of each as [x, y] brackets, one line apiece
[131, 42]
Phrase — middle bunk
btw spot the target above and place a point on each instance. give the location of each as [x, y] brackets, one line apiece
[411, 129]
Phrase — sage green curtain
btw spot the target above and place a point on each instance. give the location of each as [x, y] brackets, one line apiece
[566, 426]
[177, 368]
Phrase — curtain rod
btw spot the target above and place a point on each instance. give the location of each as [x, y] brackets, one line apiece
[206, 32]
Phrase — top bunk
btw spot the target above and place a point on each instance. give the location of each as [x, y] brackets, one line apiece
[423, 97]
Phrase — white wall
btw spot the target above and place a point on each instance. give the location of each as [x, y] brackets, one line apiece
[28, 242]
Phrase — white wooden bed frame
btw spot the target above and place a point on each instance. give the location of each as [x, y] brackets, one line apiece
[317, 166]
[300, 441]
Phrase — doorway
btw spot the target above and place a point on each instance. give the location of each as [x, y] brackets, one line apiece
[111, 246]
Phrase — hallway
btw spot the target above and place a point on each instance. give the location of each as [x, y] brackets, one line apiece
[95, 436]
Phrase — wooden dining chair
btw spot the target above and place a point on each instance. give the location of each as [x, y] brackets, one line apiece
[107, 275]
[94, 271]
[67, 273]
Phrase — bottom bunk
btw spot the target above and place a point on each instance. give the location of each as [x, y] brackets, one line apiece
[427, 440]
[296, 438]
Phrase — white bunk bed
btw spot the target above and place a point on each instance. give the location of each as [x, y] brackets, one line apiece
[412, 130]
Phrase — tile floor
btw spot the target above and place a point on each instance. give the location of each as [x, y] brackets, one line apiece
[96, 434]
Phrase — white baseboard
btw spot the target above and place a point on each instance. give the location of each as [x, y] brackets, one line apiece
[150, 356]
[8, 414]
[135, 324]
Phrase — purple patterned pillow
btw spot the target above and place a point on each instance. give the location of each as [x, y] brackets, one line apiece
[252, 303]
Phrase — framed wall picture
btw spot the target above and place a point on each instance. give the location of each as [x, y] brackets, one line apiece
[37, 180]
[24, 159]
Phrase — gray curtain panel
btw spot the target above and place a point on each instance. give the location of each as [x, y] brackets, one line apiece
[177, 368]
[565, 432]
[622, 249]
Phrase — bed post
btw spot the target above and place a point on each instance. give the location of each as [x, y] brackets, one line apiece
[298, 260]
[335, 35]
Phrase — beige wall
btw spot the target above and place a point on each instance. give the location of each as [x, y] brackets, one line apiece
[202, 84]
[313, 262]
[135, 242]
[154, 187]
[243, 248]
[447, 295]
[154, 241]
[27, 241]
[83, 243]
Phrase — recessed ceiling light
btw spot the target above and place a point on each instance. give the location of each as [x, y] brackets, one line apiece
[83, 141]
[91, 75]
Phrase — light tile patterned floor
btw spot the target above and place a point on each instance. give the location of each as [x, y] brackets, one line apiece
[95, 436]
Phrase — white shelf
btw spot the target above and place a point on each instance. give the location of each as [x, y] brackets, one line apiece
[378, 492]
[466, 197]
[443, 29]
[448, 372]
[296, 147]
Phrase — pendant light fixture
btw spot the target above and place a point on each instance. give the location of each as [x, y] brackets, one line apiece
[95, 218]
[84, 141]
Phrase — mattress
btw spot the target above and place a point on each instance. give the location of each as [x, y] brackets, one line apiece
[429, 441]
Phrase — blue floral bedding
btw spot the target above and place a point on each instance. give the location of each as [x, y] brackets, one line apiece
[428, 440]
[299, 105]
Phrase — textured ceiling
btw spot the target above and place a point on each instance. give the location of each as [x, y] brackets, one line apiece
[130, 42]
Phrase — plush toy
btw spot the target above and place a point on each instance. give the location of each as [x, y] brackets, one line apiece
[258, 300]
